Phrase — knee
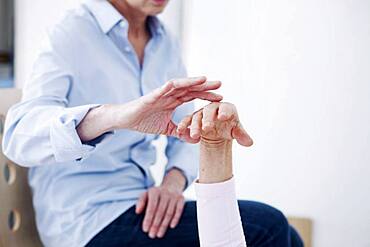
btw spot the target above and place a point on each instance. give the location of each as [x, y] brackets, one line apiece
[295, 239]
[278, 223]
[279, 228]
[272, 222]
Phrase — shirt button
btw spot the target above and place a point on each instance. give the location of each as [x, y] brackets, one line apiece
[127, 49]
[122, 24]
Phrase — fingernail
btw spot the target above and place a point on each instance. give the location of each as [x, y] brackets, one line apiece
[222, 116]
[194, 136]
[251, 141]
[145, 229]
[151, 235]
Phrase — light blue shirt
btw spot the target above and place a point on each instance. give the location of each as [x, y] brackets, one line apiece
[87, 60]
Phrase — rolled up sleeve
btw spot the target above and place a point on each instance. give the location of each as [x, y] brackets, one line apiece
[65, 142]
[41, 129]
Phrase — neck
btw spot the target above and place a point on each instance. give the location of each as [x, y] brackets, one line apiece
[135, 18]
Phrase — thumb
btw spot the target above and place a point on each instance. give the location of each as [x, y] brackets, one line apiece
[140, 205]
[241, 136]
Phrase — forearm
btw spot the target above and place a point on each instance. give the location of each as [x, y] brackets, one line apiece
[217, 207]
[30, 126]
[215, 161]
[106, 118]
[97, 121]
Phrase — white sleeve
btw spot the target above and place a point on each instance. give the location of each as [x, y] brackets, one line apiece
[219, 221]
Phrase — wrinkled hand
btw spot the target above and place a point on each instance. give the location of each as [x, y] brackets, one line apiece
[214, 124]
[163, 207]
[153, 112]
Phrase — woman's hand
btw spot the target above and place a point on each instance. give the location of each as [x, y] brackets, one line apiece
[214, 124]
[163, 205]
[153, 112]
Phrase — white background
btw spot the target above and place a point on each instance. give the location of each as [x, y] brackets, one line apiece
[299, 73]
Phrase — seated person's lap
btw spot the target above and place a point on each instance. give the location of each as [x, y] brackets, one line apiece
[260, 223]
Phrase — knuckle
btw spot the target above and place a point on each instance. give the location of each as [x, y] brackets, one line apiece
[171, 195]
[171, 81]
[160, 212]
[148, 217]
[164, 191]
[151, 190]
[169, 215]
[155, 225]
[150, 212]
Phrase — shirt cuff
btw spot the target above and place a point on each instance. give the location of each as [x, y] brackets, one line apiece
[64, 139]
[184, 173]
[215, 189]
[184, 156]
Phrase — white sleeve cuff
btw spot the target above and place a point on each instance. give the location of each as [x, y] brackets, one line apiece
[215, 189]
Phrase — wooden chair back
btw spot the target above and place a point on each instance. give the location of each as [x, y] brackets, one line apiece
[17, 218]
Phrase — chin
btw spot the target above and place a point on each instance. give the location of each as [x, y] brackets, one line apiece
[155, 12]
[157, 6]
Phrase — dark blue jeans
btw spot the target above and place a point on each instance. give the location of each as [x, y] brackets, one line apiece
[263, 226]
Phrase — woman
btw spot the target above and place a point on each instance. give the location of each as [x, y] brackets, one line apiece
[95, 102]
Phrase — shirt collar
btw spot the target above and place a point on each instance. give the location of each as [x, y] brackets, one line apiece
[107, 16]
[155, 25]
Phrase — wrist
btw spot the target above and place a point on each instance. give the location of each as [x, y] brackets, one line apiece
[123, 115]
[109, 116]
[174, 180]
[215, 145]
[215, 161]
[97, 121]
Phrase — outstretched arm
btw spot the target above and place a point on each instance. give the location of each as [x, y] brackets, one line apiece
[151, 113]
[217, 210]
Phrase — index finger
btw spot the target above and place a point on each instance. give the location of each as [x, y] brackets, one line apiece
[188, 82]
[174, 84]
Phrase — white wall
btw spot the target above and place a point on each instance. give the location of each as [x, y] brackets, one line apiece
[299, 73]
[32, 18]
